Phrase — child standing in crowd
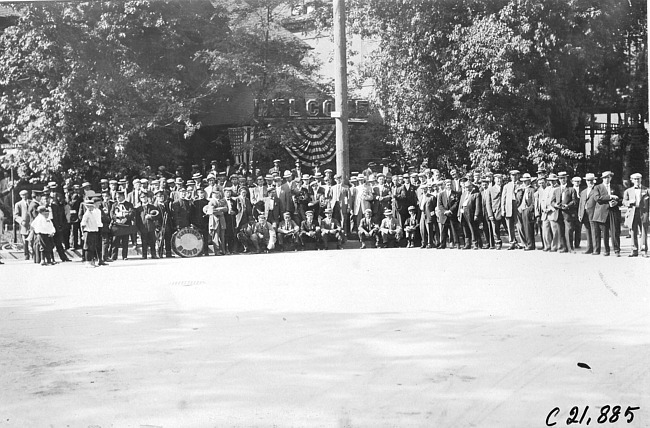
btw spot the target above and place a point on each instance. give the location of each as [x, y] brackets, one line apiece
[44, 232]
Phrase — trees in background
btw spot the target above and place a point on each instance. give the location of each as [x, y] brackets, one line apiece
[108, 87]
[507, 83]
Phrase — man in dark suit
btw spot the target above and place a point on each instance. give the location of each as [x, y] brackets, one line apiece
[637, 201]
[469, 214]
[488, 235]
[593, 214]
[146, 218]
[565, 199]
[105, 207]
[122, 216]
[494, 211]
[526, 209]
[575, 181]
[200, 220]
[612, 198]
[448, 214]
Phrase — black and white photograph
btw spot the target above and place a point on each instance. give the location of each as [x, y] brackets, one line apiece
[324, 213]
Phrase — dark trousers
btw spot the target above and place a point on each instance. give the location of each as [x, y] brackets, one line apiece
[528, 228]
[449, 227]
[92, 246]
[495, 226]
[590, 237]
[599, 229]
[428, 232]
[470, 231]
[569, 232]
[77, 238]
[166, 244]
[26, 245]
[639, 226]
[488, 233]
[65, 235]
[58, 243]
[148, 244]
[120, 242]
[46, 245]
[614, 225]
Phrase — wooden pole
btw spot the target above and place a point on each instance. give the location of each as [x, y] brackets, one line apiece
[341, 92]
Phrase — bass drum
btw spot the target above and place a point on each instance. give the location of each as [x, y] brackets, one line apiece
[187, 242]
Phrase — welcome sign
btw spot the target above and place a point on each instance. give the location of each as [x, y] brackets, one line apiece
[310, 108]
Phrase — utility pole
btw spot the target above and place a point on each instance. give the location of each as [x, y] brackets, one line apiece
[341, 92]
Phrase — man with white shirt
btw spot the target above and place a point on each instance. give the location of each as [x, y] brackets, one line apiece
[637, 201]
[90, 224]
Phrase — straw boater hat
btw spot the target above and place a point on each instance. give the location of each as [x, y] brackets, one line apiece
[525, 177]
[590, 176]
[636, 175]
[388, 212]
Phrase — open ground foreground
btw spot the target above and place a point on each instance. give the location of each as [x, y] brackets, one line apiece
[351, 338]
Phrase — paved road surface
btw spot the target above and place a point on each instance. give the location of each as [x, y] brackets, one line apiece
[351, 338]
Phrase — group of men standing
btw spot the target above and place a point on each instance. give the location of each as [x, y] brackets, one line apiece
[291, 210]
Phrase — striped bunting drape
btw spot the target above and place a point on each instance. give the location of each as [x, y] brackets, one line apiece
[309, 143]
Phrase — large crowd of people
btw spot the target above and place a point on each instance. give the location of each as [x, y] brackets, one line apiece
[245, 211]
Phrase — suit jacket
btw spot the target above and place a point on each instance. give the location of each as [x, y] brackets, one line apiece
[549, 211]
[473, 208]
[509, 205]
[181, 213]
[285, 199]
[272, 208]
[258, 193]
[325, 224]
[427, 206]
[383, 197]
[606, 198]
[363, 199]
[21, 215]
[637, 207]
[566, 201]
[142, 222]
[197, 217]
[367, 225]
[526, 205]
[597, 211]
[447, 204]
[493, 205]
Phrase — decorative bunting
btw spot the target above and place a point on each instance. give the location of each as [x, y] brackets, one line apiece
[311, 144]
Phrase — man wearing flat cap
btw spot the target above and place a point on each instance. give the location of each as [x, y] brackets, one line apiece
[368, 230]
[330, 230]
[23, 219]
[637, 218]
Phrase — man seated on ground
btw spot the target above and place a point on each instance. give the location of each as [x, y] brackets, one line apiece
[309, 230]
[330, 229]
[287, 232]
[368, 229]
[263, 235]
[391, 231]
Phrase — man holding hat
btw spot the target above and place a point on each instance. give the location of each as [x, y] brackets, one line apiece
[469, 214]
[637, 218]
[147, 217]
